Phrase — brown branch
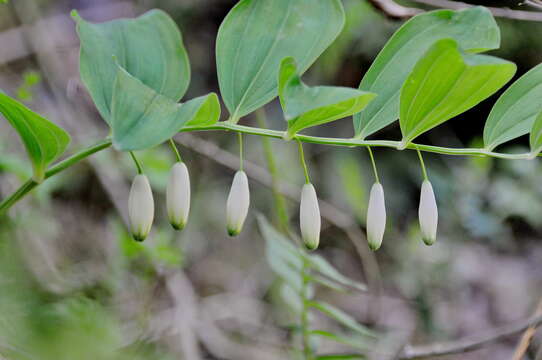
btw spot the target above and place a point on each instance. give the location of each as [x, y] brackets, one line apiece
[393, 10]
[527, 336]
[412, 352]
[497, 12]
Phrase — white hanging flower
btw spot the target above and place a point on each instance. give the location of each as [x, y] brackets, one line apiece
[140, 208]
[178, 196]
[309, 217]
[428, 214]
[376, 217]
[238, 203]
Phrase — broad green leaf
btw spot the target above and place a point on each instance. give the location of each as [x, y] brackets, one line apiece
[256, 35]
[321, 265]
[305, 106]
[341, 317]
[283, 257]
[515, 111]
[149, 47]
[474, 29]
[43, 140]
[445, 83]
[142, 118]
[536, 136]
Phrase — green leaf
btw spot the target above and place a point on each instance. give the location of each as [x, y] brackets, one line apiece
[445, 83]
[149, 47]
[515, 111]
[283, 257]
[341, 357]
[321, 265]
[341, 339]
[142, 118]
[305, 106]
[43, 140]
[256, 35]
[536, 136]
[474, 29]
[341, 317]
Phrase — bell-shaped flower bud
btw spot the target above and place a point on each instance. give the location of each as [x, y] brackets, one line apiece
[178, 196]
[376, 217]
[428, 213]
[140, 208]
[238, 203]
[309, 217]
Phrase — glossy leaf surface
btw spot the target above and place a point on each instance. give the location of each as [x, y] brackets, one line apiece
[474, 29]
[44, 141]
[305, 106]
[515, 111]
[256, 35]
[445, 83]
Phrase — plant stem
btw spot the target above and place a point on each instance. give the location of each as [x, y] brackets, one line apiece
[305, 326]
[377, 179]
[303, 163]
[55, 169]
[137, 164]
[280, 203]
[352, 142]
[240, 138]
[175, 150]
[424, 171]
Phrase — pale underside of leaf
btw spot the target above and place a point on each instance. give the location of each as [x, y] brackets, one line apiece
[256, 35]
[43, 140]
[473, 28]
[149, 47]
[142, 118]
[515, 111]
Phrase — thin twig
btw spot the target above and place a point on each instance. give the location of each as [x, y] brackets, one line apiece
[496, 11]
[527, 336]
[393, 10]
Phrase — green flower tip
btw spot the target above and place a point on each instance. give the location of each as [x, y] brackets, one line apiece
[178, 227]
[138, 237]
[373, 246]
[311, 247]
[428, 241]
[233, 232]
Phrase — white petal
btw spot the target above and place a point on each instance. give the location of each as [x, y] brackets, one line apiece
[376, 217]
[309, 217]
[140, 208]
[238, 203]
[428, 213]
[178, 195]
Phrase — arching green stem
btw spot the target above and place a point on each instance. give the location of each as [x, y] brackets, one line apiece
[303, 163]
[424, 171]
[137, 164]
[175, 150]
[377, 179]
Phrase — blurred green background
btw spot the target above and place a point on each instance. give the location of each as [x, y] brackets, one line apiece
[73, 285]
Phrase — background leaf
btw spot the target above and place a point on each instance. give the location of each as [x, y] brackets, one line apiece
[142, 118]
[43, 140]
[514, 112]
[305, 106]
[536, 136]
[341, 317]
[445, 83]
[256, 35]
[474, 29]
[149, 47]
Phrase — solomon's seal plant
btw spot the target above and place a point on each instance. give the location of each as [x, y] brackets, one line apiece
[137, 72]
